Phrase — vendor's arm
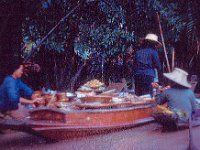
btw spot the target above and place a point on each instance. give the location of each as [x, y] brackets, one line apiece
[161, 98]
[15, 98]
[27, 91]
[158, 88]
[27, 101]
[14, 95]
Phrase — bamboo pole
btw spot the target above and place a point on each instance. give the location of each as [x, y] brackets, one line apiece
[33, 51]
[163, 43]
[74, 78]
[173, 59]
[198, 49]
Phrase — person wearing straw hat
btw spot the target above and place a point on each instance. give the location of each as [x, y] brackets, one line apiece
[180, 100]
[146, 61]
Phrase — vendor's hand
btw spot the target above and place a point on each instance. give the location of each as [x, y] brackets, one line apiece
[164, 88]
[37, 100]
[155, 85]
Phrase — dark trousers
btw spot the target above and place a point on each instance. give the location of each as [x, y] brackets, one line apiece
[143, 85]
[167, 121]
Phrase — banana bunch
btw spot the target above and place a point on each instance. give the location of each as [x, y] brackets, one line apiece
[163, 109]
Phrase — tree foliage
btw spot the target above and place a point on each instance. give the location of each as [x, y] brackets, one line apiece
[107, 28]
[176, 17]
[106, 39]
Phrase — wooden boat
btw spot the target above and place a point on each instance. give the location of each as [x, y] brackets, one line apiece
[57, 124]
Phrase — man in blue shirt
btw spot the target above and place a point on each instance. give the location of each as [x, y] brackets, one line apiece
[13, 91]
[146, 61]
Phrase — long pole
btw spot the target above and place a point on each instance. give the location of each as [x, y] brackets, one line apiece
[102, 69]
[198, 48]
[33, 51]
[173, 59]
[163, 43]
[191, 145]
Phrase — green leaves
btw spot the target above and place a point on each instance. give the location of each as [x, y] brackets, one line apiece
[109, 35]
[107, 39]
[103, 39]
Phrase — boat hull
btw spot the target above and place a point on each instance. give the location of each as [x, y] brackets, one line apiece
[57, 124]
[62, 133]
[90, 121]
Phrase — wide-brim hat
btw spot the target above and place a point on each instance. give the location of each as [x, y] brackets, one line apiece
[152, 38]
[178, 76]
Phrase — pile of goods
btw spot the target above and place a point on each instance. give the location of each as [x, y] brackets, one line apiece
[120, 101]
[53, 99]
[109, 97]
[94, 84]
[92, 95]
[90, 88]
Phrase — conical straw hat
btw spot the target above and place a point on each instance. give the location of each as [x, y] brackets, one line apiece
[179, 76]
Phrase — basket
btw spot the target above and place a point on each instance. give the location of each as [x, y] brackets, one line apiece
[62, 97]
[101, 99]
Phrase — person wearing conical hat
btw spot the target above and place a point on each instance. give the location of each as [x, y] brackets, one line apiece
[145, 62]
[180, 99]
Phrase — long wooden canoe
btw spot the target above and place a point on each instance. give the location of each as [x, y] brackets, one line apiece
[57, 124]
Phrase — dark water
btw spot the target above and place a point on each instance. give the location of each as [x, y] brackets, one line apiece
[148, 137]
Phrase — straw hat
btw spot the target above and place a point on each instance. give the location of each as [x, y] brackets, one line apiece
[152, 37]
[179, 76]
